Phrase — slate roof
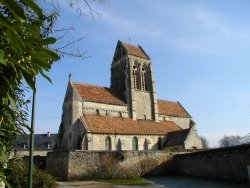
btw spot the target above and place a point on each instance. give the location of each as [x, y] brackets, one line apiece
[176, 137]
[119, 125]
[135, 50]
[41, 141]
[99, 94]
[172, 109]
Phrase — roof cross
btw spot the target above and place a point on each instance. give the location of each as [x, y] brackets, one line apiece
[69, 76]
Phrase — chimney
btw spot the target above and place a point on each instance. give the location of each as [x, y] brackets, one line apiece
[48, 134]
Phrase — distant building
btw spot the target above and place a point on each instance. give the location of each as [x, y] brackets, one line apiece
[126, 116]
[42, 144]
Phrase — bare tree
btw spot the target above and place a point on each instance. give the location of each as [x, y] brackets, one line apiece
[229, 141]
[245, 139]
[204, 142]
[65, 46]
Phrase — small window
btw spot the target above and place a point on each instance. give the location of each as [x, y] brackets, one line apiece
[49, 146]
[97, 112]
[108, 143]
[146, 144]
[120, 114]
[108, 113]
[119, 145]
[134, 143]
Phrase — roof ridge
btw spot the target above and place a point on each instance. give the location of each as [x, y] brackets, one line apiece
[126, 43]
[99, 94]
[184, 108]
[99, 86]
[94, 85]
[135, 50]
[144, 51]
[167, 100]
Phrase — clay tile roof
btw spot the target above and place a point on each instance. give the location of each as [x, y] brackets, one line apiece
[135, 50]
[99, 94]
[176, 137]
[119, 125]
[172, 109]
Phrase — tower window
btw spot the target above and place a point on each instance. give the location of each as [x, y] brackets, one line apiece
[143, 79]
[137, 76]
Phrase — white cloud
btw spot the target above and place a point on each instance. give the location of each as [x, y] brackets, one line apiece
[125, 24]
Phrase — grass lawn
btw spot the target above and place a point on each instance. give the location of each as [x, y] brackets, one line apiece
[139, 181]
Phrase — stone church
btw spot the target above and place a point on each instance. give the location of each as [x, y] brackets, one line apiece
[127, 115]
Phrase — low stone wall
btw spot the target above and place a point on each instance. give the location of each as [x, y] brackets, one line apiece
[232, 163]
[82, 165]
[229, 163]
[26, 152]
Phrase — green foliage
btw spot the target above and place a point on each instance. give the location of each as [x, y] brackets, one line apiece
[137, 181]
[24, 54]
[18, 175]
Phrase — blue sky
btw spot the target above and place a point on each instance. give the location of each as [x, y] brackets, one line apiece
[200, 51]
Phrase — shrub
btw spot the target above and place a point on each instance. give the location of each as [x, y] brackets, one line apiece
[18, 171]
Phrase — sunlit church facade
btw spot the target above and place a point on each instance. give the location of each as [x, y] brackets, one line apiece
[127, 115]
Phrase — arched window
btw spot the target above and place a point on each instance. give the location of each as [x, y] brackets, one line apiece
[147, 78]
[137, 76]
[134, 143]
[159, 143]
[119, 145]
[143, 82]
[146, 144]
[108, 143]
[134, 75]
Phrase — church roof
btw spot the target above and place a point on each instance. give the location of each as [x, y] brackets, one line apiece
[172, 109]
[99, 94]
[102, 124]
[135, 50]
[176, 137]
[106, 95]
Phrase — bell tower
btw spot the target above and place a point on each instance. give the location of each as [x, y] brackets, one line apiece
[132, 76]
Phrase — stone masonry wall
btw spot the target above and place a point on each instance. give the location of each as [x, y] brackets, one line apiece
[224, 163]
[81, 165]
[57, 164]
[230, 163]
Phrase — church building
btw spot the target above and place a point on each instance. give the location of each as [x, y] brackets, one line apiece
[127, 115]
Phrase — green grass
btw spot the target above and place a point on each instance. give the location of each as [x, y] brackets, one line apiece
[139, 181]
